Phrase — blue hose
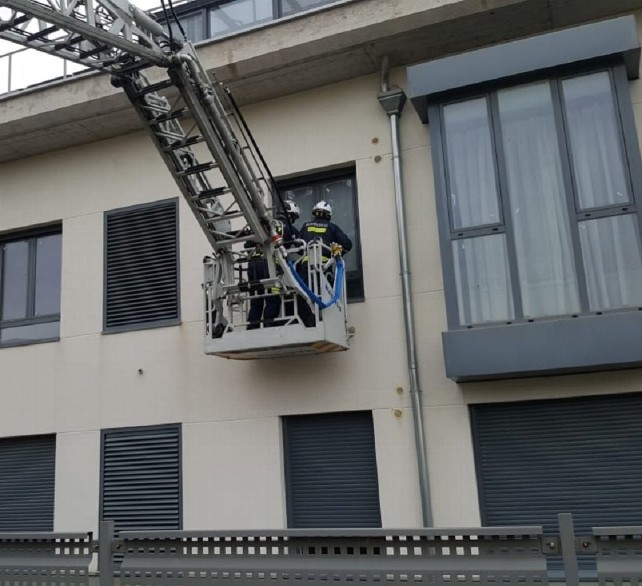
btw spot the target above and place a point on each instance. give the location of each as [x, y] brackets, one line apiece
[338, 285]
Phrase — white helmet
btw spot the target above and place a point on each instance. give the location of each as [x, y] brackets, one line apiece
[289, 209]
[322, 209]
[292, 209]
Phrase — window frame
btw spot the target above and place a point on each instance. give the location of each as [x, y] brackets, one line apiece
[206, 7]
[316, 179]
[31, 236]
[627, 137]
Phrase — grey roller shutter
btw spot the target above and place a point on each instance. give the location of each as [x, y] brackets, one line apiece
[141, 478]
[580, 456]
[331, 470]
[27, 483]
[141, 266]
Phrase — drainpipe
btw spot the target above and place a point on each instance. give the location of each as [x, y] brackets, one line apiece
[393, 101]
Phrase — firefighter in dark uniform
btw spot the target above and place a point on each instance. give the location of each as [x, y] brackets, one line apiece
[263, 308]
[320, 227]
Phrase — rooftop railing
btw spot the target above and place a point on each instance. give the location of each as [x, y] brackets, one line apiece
[24, 68]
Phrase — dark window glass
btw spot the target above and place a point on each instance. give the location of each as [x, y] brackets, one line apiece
[30, 288]
[15, 280]
[48, 263]
[340, 192]
[239, 14]
[222, 17]
[193, 25]
[538, 190]
[292, 6]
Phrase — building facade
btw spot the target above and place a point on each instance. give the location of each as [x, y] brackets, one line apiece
[521, 178]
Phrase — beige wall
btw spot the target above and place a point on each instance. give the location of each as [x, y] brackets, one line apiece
[230, 410]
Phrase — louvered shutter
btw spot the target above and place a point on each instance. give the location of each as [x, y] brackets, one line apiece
[141, 266]
[141, 487]
[27, 483]
[580, 456]
[331, 471]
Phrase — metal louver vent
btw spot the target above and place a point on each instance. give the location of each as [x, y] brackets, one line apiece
[27, 483]
[141, 486]
[331, 471]
[141, 266]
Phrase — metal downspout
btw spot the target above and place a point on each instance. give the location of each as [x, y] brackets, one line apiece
[393, 101]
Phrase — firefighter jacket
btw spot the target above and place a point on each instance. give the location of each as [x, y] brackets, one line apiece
[327, 231]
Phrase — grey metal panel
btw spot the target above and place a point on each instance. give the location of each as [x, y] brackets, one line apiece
[331, 470]
[141, 478]
[141, 267]
[582, 456]
[27, 483]
[557, 346]
[445, 556]
[616, 37]
[45, 558]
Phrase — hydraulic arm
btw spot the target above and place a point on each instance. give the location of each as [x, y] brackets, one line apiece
[208, 149]
[193, 121]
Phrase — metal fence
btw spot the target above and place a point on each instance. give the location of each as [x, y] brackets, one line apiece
[481, 556]
[23, 68]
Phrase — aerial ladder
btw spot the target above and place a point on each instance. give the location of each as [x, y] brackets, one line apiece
[209, 150]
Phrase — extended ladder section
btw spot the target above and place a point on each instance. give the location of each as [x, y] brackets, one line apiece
[209, 150]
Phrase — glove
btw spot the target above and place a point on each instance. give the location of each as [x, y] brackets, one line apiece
[337, 249]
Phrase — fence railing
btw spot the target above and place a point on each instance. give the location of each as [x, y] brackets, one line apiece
[480, 556]
[25, 68]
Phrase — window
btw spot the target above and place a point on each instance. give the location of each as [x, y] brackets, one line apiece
[340, 191]
[206, 20]
[141, 477]
[541, 204]
[331, 470]
[30, 287]
[141, 267]
[538, 179]
[27, 483]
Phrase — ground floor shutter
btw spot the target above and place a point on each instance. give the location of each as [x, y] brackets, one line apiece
[331, 470]
[141, 478]
[581, 456]
[27, 483]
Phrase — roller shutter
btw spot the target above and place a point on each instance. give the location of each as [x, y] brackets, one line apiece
[27, 483]
[141, 266]
[580, 456]
[141, 479]
[331, 471]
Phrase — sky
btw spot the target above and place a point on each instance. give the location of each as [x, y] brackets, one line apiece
[21, 68]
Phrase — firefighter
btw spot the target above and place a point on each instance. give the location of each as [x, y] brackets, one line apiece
[319, 227]
[263, 308]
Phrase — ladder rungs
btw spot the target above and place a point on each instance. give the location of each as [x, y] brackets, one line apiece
[15, 22]
[168, 116]
[216, 219]
[181, 144]
[69, 43]
[43, 33]
[161, 85]
[196, 169]
[216, 192]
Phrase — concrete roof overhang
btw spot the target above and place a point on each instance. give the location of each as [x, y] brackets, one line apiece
[339, 42]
